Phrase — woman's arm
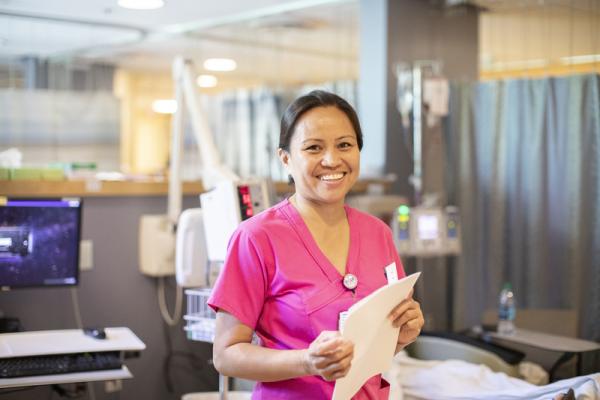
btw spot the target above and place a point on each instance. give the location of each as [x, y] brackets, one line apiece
[234, 355]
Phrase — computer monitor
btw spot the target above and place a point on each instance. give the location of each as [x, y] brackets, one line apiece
[39, 242]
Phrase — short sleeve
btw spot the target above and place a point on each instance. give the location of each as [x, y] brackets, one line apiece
[241, 286]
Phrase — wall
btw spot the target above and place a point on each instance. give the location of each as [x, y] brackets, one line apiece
[407, 31]
[115, 293]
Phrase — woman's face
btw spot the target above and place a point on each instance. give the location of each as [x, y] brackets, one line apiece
[323, 158]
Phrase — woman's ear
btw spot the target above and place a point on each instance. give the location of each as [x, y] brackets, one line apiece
[284, 156]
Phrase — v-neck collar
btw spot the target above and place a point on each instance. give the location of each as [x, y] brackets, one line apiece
[307, 238]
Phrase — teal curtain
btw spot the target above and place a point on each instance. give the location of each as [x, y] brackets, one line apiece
[524, 168]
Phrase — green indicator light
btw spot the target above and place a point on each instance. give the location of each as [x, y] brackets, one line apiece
[404, 210]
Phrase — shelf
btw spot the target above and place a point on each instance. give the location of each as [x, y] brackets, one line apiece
[95, 188]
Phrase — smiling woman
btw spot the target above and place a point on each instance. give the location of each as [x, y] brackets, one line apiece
[323, 156]
[288, 269]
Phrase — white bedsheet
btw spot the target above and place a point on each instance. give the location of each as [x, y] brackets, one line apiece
[413, 379]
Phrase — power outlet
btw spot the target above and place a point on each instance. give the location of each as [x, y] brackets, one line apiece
[86, 255]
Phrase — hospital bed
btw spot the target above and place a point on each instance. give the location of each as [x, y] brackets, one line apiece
[466, 371]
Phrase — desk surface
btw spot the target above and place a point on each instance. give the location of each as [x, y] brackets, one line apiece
[107, 375]
[35, 343]
[547, 342]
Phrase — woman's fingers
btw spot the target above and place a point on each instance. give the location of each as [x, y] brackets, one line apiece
[338, 369]
[402, 307]
[330, 355]
[409, 315]
[404, 312]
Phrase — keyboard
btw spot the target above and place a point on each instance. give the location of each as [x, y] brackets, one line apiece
[59, 364]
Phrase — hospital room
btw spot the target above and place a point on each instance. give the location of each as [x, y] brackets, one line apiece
[300, 199]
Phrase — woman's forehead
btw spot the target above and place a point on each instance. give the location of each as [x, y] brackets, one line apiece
[324, 122]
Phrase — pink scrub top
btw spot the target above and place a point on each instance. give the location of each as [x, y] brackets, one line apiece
[277, 281]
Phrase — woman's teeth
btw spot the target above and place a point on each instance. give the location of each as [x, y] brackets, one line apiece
[332, 177]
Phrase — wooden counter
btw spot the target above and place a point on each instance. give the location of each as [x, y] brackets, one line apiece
[94, 188]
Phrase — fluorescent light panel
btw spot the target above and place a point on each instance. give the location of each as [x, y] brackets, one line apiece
[583, 59]
[220, 64]
[141, 4]
[164, 106]
[206, 81]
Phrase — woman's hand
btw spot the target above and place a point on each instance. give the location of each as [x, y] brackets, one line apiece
[329, 356]
[408, 316]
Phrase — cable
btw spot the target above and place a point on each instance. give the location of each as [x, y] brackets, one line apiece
[76, 310]
[174, 320]
[79, 323]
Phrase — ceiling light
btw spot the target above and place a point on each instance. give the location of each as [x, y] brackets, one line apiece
[141, 4]
[583, 59]
[206, 81]
[164, 106]
[220, 64]
[518, 64]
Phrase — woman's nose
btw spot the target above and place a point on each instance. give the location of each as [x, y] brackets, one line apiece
[330, 158]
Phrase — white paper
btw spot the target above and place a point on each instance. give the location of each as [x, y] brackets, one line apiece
[373, 335]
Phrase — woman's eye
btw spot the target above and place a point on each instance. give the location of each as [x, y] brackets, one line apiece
[345, 145]
[314, 147]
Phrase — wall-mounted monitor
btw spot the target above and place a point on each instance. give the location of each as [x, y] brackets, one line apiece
[39, 242]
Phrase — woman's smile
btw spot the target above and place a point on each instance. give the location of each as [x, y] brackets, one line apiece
[332, 177]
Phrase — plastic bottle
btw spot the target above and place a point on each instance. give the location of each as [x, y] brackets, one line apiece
[506, 311]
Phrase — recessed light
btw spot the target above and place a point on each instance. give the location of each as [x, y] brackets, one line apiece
[141, 4]
[582, 59]
[206, 81]
[164, 106]
[220, 64]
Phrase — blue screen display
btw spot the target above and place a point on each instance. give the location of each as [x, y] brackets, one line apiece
[39, 242]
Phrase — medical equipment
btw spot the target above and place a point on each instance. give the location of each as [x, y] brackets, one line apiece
[228, 204]
[198, 235]
[426, 231]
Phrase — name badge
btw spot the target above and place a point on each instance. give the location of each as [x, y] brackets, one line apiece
[341, 320]
[391, 273]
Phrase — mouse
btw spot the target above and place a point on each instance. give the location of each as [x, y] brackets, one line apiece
[96, 333]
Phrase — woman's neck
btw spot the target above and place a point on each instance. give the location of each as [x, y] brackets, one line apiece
[329, 214]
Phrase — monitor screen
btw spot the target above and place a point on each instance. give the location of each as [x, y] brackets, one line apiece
[39, 242]
[428, 227]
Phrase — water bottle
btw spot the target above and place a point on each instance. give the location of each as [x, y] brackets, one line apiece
[506, 311]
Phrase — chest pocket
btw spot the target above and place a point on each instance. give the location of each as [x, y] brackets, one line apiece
[324, 306]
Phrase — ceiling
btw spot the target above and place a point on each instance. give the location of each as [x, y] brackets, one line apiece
[274, 41]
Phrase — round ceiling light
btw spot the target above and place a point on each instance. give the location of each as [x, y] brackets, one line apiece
[220, 64]
[206, 81]
[164, 106]
[141, 4]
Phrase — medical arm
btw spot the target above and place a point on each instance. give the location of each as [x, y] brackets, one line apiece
[234, 355]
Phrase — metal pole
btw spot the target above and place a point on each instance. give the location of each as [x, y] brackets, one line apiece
[223, 387]
[417, 133]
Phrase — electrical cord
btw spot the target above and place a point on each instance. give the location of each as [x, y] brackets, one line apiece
[162, 303]
[79, 389]
[76, 309]
[196, 363]
[79, 323]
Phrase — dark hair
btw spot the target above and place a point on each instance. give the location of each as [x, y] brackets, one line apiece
[314, 99]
